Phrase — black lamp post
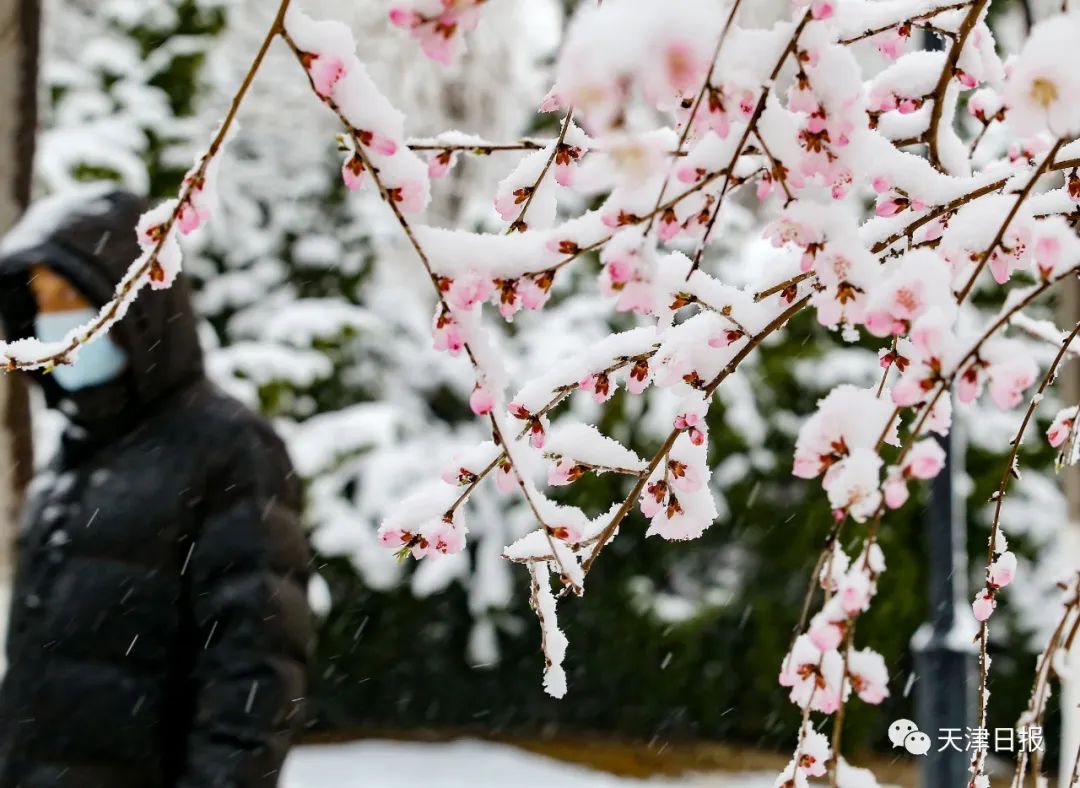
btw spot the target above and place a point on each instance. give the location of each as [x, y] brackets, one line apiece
[944, 645]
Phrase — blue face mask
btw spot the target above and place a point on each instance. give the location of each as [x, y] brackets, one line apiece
[99, 360]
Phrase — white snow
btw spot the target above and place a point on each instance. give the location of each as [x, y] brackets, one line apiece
[466, 764]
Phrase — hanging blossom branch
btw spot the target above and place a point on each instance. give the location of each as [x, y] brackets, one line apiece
[331, 41]
[157, 233]
[1000, 561]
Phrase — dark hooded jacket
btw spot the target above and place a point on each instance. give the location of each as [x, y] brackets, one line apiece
[159, 628]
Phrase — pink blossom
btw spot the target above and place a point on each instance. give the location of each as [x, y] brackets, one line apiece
[506, 480]
[890, 207]
[719, 123]
[638, 378]
[764, 186]
[682, 67]
[352, 172]
[439, 164]
[567, 533]
[402, 17]
[907, 106]
[822, 9]
[1062, 426]
[940, 419]
[896, 491]
[600, 386]
[533, 295]
[748, 102]
[1013, 254]
[881, 184]
[377, 142]
[881, 101]
[911, 390]
[931, 231]
[509, 302]
[411, 196]
[668, 227]
[969, 383]
[725, 337]
[685, 421]
[816, 753]
[869, 676]
[537, 434]
[452, 476]
[467, 291]
[636, 296]
[983, 606]
[564, 472]
[1003, 570]
[619, 271]
[855, 591]
[435, 43]
[447, 335]
[509, 205]
[394, 537]
[802, 100]
[190, 217]
[446, 539]
[881, 324]
[326, 71]
[1047, 255]
[689, 423]
[653, 499]
[890, 43]
[1009, 379]
[813, 676]
[825, 632]
[684, 477]
[553, 102]
[925, 460]
[565, 174]
[481, 401]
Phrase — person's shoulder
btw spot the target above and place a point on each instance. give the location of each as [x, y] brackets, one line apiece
[235, 431]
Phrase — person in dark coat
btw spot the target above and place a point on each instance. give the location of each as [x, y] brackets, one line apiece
[159, 629]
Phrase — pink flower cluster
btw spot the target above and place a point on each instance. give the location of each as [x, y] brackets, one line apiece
[998, 575]
[438, 538]
[437, 25]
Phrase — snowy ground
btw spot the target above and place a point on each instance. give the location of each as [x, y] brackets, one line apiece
[466, 764]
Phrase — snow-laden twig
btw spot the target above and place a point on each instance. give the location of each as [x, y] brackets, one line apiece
[160, 260]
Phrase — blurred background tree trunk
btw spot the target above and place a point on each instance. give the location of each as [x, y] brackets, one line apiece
[19, 25]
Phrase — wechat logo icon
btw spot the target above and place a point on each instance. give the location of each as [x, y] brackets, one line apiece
[906, 734]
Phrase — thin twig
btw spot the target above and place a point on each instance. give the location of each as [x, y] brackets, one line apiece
[1006, 476]
[136, 276]
[948, 72]
[751, 125]
[985, 257]
[910, 21]
[688, 129]
[519, 225]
